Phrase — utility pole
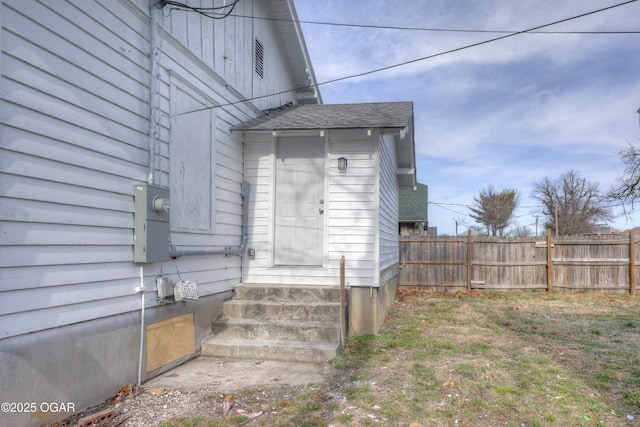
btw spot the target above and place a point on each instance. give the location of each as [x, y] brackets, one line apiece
[536, 225]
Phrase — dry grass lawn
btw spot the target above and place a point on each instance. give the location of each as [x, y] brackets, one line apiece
[499, 359]
[521, 359]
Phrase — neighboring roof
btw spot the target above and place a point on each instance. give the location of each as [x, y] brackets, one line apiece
[288, 26]
[413, 203]
[395, 115]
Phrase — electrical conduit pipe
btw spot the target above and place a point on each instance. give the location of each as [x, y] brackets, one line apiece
[244, 192]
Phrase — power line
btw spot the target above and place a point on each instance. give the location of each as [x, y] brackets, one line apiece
[449, 209]
[422, 29]
[495, 39]
[468, 206]
[424, 58]
[534, 214]
[610, 205]
[216, 12]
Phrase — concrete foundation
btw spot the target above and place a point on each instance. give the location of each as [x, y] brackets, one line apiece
[53, 374]
[368, 307]
[84, 364]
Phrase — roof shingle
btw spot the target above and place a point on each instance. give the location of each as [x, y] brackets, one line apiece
[333, 116]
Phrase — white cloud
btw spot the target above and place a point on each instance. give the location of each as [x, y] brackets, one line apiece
[506, 113]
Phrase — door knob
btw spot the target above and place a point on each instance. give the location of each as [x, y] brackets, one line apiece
[321, 210]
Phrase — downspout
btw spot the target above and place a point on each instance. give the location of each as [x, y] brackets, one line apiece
[153, 89]
[244, 192]
[141, 289]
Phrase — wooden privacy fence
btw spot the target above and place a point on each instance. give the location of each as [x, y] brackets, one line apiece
[590, 262]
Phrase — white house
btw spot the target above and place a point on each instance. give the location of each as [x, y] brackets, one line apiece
[136, 155]
[306, 213]
[93, 105]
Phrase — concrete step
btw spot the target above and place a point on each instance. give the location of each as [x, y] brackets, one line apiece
[287, 351]
[281, 310]
[278, 322]
[287, 330]
[298, 293]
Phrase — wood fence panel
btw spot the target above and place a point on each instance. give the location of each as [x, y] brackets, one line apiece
[437, 263]
[595, 262]
[591, 262]
[508, 263]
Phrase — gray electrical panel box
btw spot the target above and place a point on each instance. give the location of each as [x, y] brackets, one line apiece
[151, 229]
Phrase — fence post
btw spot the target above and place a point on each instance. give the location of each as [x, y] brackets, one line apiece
[343, 313]
[469, 260]
[549, 260]
[632, 263]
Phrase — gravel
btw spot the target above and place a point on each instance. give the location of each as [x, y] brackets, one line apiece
[154, 406]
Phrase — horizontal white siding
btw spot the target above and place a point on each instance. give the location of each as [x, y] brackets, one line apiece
[227, 46]
[350, 211]
[389, 202]
[352, 204]
[74, 142]
[259, 169]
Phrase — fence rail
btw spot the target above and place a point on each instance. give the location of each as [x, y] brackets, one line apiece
[590, 262]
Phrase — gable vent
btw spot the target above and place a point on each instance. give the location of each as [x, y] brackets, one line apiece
[259, 59]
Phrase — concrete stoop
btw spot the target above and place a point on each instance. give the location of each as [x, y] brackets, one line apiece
[278, 322]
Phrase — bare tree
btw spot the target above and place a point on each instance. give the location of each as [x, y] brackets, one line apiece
[571, 204]
[627, 188]
[495, 210]
[521, 231]
[477, 230]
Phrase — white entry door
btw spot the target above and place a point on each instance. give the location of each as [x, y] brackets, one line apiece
[299, 207]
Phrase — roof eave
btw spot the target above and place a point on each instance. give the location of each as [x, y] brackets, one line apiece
[287, 23]
[383, 129]
[406, 155]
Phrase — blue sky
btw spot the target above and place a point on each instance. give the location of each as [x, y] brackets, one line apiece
[507, 113]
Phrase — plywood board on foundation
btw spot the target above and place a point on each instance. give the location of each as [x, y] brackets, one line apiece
[169, 340]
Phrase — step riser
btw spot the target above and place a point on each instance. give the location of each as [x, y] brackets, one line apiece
[278, 322]
[287, 293]
[227, 329]
[244, 310]
[272, 352]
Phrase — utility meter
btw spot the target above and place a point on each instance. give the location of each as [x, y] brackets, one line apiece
[151, 229]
